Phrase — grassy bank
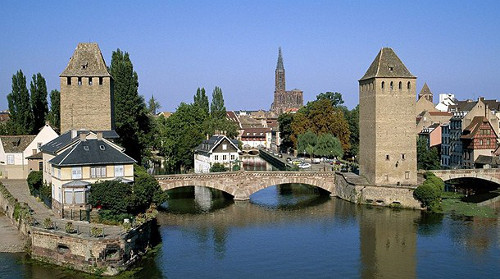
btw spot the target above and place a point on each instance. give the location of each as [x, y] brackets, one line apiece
[452, 203]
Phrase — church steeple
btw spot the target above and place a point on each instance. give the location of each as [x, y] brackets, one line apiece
[280, 74]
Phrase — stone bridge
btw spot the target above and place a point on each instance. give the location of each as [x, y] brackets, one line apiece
[242, 184]
[492, 175]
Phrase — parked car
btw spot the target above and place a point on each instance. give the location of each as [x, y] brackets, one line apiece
[304, 165]
[316, 160]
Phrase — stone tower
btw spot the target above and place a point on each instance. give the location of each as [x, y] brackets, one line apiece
[283, 99]
[387, 152]
[86, 91]
[426, 93]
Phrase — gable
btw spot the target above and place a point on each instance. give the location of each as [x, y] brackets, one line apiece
[224, 143]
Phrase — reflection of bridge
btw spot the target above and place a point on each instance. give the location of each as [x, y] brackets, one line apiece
[492, 175]
[242, 184]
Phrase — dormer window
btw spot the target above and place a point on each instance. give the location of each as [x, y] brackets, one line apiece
[102, 147]
[84, 66]
[391, 68]
[86, 147]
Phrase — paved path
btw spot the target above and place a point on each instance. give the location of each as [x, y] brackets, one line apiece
[11, 240]
[19, 189]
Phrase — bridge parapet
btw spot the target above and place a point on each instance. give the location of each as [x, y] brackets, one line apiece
[492, 175]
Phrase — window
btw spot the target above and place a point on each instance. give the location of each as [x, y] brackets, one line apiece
[383, 83]
[100, 80]
[391, 68]
[400, 85]
[79, 196]
[68, 196]
[392, 85]
[403, 156]
[232, 157]
[33, 151]
[10, 159]
[90, 81]
[387, 157]
[59, 173]
[118, 170]
[224, 157]
[76, 173]
[407, 175]
[68, 80]
[216, 157]
[79, 81]
[408, 85]
[99, 171]
[224, 146]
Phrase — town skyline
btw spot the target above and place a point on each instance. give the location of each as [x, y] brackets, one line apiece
[178, 47]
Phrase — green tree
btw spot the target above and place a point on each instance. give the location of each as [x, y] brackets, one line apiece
[300, 125]
[335, 98]
[217, 121]
[427, 158]
[38, 89]
[35, 181]
[329, 146]
[145, 191]
[430, 192]
[131, 115]
[21, 116]
[111, 195]
[201, 100]
[153, 105]
[352, 118]
[218, 167]
[55, 105]
[217, 107]
[285, 127]
[306, 139]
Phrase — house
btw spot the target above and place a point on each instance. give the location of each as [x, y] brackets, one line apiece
[427, 118]
[487, 162]
[73, 164]
[479, 138]
[15, 151]
[256, 137]
[216, 149]
[446, 100]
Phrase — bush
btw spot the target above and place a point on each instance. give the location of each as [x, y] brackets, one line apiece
[111, 195]
[217, 167]
[430, 192]
[35, 181]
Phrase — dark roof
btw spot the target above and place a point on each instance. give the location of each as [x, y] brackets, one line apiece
[279, 65]
[488, 160]
[91, 152]
[36, 156]
[493, 105]
[208, 145]
[462, 105]
[87, 60]
[473, 128]
[16, 144]
[55, 145]
[387, 64]
[425, 90]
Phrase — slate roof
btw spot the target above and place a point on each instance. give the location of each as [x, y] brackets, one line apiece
[87, 60]
[488, 160]
[387, 64]
[53, 146]
[91, 152]
[462, 106]
[425, 90]
[208, 145]
[16, 144]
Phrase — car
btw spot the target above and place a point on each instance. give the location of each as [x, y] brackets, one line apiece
[316, 160]
[304, 165]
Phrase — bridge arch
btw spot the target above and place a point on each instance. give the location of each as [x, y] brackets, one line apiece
[491, 175]
[243, 184]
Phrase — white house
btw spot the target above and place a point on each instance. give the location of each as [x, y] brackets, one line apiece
[446, 100]
[15, 150]
[256, 137]
[216, 149]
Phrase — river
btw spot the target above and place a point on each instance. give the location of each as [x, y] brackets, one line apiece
[297, 231]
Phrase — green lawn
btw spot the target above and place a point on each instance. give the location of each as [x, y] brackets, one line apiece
[451, 203]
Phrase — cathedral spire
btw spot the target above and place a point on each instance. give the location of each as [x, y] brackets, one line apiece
[279, 66]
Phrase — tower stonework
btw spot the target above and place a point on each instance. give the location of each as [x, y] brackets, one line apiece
[86, 91]
[387, 152]
[283, 99]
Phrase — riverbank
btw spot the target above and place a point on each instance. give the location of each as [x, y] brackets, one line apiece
[11, 240]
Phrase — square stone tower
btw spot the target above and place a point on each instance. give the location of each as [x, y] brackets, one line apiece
[86, 91]
[387, 150]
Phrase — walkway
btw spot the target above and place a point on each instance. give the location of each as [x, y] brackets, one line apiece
[11, 240]
[19, 190]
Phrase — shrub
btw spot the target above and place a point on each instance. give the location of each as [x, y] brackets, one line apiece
[34, 180]
[96, 232]
[69, 228]
[47, 224]
[218, 167]
[430, 192]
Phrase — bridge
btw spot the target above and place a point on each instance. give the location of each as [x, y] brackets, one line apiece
[492, 175]
[242, 184]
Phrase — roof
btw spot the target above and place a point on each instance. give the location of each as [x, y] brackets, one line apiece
[36, 156]
[76, 184]
[57, 144]
[425, 90]
[462, 105]
[87, 60]
[210, 144]
[279, 65]
[488, 160]
[492, 105]
[165, 114]
[474, 127]
[16, 144]
[4, 116]
[387, 64]
[440, 113]
[91, 152]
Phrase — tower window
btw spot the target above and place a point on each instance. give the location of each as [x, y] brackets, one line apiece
[403, 156]
[100, 80]
[68, 80]
[400, 85]
[79, 81]
[392, 85]
[387, 157]
[391, 68]
[408, 85]
[383, 83]
[90, 81]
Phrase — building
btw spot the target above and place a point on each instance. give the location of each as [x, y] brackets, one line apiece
[426, 93]
[479, 138]
[387, 122]
[76, 160]
[16, 150]
[216, 149]
[424, 102]
[86, 91]
[445, 145]
[427, 118]
[283, 99]
[446, 100]
[432, 135]
[256, 138]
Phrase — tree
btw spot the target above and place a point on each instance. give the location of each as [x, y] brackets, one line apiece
[335, 98]
[39, 105]
[217, 107]
[217, 121]
[145, 191]
[305, 140]
[300, 125]
[153, 105]
[352, 118]
[285, 127]
[329, 146]
[201, 100]
[54, 116]
[21, 116]
[111, 195]
[427, 158]
[131, 116]
[430, 192]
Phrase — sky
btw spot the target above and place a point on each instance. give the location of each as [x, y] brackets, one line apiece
[178, 46]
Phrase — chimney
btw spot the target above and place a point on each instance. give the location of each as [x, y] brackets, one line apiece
[73, 134]
[83, 136]
[99, 135]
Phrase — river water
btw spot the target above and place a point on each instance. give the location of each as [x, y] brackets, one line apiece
[297, 231]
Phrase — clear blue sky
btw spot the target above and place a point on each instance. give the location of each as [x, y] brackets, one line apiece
[177, 46]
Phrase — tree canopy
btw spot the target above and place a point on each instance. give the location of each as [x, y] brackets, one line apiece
[21, 116]
[54, 115]
[39, 104]
[427, 158]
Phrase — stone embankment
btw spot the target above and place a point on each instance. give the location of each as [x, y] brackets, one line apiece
[97, 249]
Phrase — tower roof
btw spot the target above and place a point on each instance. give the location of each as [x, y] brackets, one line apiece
[387, 64]
[425, 90]
[87, 60]
[280, 66]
